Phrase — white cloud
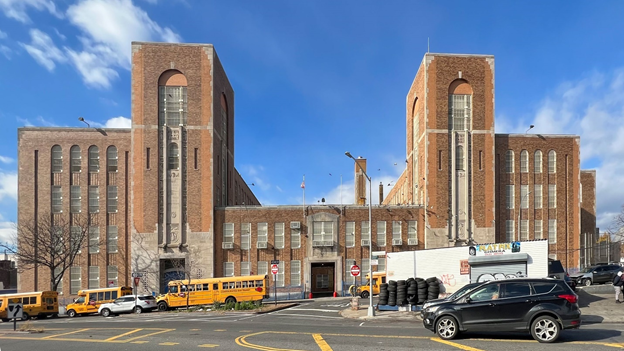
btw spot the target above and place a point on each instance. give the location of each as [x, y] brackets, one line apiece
[118, 122]
[43, 50]
[5, 159]
[60, 35]
[17, 9]
[346, 191]
[90, 66]
[2, 35]
[6, 51]
[7, 231]
[8, 185]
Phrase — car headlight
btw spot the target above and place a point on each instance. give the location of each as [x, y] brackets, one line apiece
[432, 309]
[427, 304]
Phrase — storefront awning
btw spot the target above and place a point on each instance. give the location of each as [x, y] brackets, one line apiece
[494, 259]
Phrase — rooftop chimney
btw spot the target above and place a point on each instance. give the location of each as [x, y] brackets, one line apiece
[360, 181]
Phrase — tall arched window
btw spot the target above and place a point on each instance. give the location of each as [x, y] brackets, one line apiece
[94, 159]
[172, 102]
[111, 159]
[174, 156]
[524, 161]
[459, 158]
[75, 159]
[509, 161]
[537, 165]
[552, 161]
[460, 105]
[57, 159]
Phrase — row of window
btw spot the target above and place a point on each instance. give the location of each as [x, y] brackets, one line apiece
[537, 196]
[75, 156]
[75, 198]
[510, 230]
[263, 269]
[537, 162]
[75, 278]
[322, 234]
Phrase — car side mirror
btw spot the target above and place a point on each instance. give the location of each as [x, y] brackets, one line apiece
[468, 299]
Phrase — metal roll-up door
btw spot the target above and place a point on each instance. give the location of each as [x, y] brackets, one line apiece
[486, 272]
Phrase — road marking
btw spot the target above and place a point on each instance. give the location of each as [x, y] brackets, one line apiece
[454, 344]
[208, 345]
[307, 315]
[122, 335]
[195, 329]
[71, 332]
[140, 342]
[242, 342]
[315, 309]
[169, 343]
[146, 335]
[321, 342]
[220, 330]
[361, 324]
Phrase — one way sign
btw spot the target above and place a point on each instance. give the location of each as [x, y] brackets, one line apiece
[15, 310]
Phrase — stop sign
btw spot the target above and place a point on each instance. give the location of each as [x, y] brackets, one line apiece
[355, 270]
[274, 269]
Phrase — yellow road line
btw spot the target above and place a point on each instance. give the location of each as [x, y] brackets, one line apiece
[140, 342]
[146, 335]
[208, 345]
[122, 335]
[454, 344]
[169, 343]
[321, 342]
[242, 342]
[71, 332]
[220, 330]
[195, 329]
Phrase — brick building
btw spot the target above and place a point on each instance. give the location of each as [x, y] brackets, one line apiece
[167, 189]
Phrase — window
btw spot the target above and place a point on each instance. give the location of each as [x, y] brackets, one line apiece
[280, 274]
[510, 196]
[75, 159]
[323, 233]
[94, 199]
[228, 233]
[538, 196]
[459, 111]
[459, 158]
[111, 275]
[295, 273]
[381, 233]
[537, 230]
[111, 238]
[552, 195]
[74, 280]
[228, 269]
[348, 278]
[245, 236]
[57, 199]
[111, 156]
[509, 230]
[263, 267]
[396, 233]
[94, 240]
[94, 159]
[524, 193]
[486, 293]
[172, 105]
[350, 234]
[196, 158]
[412, 234]
[552, 162]
[279, 235]
[537, 162]
[94, 277]
[295, 238]
[75, 239]
[58, 241]
[480, 160]
[74, 199]
[509, 161]
[262, 233]
[524, 229]
[147, 158]
[381, 266]
[365, 230]
[439, 160]
[516, 290]
[57, 159]
[112, 199]
[552, 231]
[524, 161]
[543, 288]
[245, 268]
[174, 156]
[59, 287]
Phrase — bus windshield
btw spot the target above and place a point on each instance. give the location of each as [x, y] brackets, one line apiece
[81, 299]
[173, 289]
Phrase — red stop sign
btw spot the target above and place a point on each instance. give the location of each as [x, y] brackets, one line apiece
[355, 270]
[274, 269]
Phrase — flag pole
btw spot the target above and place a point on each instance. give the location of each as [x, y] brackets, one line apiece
[303, 187]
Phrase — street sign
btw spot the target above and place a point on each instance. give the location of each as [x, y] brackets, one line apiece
[137, 275]
[355, 270]
[274, 269]
[136, 281]
[274, 261]
[15, 310]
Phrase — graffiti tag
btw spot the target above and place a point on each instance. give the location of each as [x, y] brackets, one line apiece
[448, 279]
[486, 277]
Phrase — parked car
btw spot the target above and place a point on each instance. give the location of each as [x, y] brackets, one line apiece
[128, 304]
[541, 306]
[597, 274]
[556, 271]
[454, 296]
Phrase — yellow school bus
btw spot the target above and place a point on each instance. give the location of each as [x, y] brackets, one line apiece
[364, 290]
[211, 290]
[40, 304]
[89, 300]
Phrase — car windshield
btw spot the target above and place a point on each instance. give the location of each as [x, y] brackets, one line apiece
[463, 291]
[587, 269]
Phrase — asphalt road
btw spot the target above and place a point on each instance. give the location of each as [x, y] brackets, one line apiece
[311, 326]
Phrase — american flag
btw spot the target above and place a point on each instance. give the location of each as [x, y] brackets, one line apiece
[303, 185]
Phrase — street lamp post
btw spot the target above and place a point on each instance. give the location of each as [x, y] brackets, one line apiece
[371, 311]
[520, 214]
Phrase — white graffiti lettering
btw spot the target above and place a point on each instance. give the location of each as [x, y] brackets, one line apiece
[486, 277]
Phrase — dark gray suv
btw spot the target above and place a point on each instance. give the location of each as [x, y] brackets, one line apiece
[597, 274]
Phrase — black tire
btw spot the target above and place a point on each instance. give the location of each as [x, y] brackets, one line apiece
[586, 282]
[5, 320]
[25, 316]
[137, 310]
[545, 329]
[421, 285]
[400, 282]
[363, 294]
[391, 303]
[71, 314]
[162, 306]
[105, 312]
[230, 299]
[54, 315]
[447, 328]
[432, 279]
[382, 302]
[392, 282]
[411, 291]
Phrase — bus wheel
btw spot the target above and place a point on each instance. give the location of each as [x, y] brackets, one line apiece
[364, 294]
[25, 316]
[54, 315]
[71, 313]
[230, 300]
[5, 320]
[162, 306]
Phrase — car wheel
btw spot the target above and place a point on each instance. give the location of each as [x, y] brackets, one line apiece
[587, 282]
[71, 313]
[105, 312]
[545, 329]
[446, 328]
[137, 310]
[364, 294]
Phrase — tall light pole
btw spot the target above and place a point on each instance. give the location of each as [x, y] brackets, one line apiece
[371, 311]
[520, 214]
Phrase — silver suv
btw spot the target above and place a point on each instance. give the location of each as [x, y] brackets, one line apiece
[128, 304]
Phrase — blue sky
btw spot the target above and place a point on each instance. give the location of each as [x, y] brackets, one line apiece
[314, 79]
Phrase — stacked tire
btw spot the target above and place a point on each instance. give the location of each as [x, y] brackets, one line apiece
[392, 293]
[433, 288]
[401, 297]
[384, 294]
[422, 291]
[412, 291]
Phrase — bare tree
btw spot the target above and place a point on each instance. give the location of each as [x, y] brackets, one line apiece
[50, 241]
[189, 267]
[144, 260]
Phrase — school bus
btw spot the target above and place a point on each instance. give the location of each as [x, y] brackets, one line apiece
[40, 304]
[89, 300]
[364, 290]
[211, 290]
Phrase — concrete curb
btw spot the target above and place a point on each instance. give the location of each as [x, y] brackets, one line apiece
[285, 306]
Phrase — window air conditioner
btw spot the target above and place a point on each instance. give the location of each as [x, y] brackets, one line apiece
[228, 245]
[365, 242]
[397, 242]
[261, 245]
[295, 225]
[412, 241]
